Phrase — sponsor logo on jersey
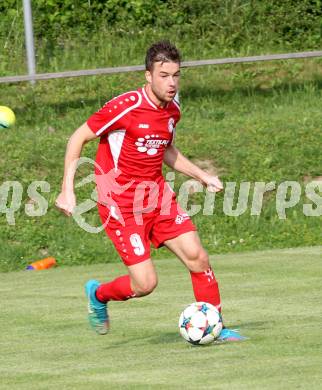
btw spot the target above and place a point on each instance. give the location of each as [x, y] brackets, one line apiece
[150, 144]
[171, 125]
[180, 218]
[144, 125]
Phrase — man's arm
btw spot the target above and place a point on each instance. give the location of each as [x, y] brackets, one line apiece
[176, 160]
[66, 200]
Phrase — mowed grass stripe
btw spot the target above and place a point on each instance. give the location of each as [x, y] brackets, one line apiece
[273, 297]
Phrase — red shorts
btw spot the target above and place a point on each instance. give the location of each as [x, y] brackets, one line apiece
[132, 239]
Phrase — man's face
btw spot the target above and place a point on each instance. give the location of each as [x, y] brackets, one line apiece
[164, 80]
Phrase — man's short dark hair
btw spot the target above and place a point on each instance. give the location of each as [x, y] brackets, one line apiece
[162, 51]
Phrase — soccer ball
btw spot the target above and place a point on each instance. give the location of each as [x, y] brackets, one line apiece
[7, 117]
[200, 323]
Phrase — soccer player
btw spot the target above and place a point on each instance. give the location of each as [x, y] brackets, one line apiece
[135, 204]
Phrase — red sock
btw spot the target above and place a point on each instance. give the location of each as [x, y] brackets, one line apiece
[205, 287]
[118, 289]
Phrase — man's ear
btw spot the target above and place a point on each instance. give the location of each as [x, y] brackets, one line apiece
[148, 76]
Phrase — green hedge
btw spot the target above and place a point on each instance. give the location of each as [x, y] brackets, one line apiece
[223, 23]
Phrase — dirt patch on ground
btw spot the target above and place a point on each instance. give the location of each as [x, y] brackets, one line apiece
[308, 179]
[206, 165]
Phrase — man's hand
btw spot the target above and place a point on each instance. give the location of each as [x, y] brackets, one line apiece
[175, 159]
[213, 183]
[66, 202]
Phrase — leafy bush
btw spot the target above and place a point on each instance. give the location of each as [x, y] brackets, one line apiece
[224, 23]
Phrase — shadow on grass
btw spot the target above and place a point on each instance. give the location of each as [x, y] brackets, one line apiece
[173, 337]
[191, 91]
[195, 91]
[165, 338]
[159, 339]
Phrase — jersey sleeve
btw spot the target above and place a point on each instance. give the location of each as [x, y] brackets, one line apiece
[115, 114]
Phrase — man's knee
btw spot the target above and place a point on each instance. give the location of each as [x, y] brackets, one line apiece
[198, 260]
[145, 287]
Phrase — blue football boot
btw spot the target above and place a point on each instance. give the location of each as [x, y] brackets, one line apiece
[97, 311]
[229, 335]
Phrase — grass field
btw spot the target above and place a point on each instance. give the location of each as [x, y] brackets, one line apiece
[273, 297]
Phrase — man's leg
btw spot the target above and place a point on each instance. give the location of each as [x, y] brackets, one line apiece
[141, 280]
[133, 246]
[187, 247]
[189, 250]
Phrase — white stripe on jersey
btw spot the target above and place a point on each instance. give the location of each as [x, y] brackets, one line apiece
[176, 101]
[121, 114]
[148, 100]
[115, 139]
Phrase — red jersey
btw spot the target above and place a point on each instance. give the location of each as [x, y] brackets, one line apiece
[134, 134]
